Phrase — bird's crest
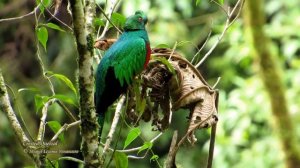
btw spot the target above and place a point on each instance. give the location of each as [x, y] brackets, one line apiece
[136, 21]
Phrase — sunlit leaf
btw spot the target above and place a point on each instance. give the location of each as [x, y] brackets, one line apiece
[154, 158]
[221, 2]
[54, 26]
[181, 43]
[43, 4]
[132, 135]
[65, 99]
[40, 101]
[121, 160]
[55, 126]
[118, 19]
[52, 164]
[198, 2]
[98, 22]
[165, 62]
[66, 80]
[146, 145]
[42, 35]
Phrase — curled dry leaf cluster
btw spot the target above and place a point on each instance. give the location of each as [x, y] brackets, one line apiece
[172, 82]
[186, 88]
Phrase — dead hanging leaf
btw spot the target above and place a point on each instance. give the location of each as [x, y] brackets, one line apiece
[187, 88]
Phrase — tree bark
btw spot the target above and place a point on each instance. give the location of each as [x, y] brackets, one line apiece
[270, 73]
[83, 15]
[6, 107]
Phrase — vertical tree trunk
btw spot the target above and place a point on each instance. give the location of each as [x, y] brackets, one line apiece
[82, 19]
[270, 74]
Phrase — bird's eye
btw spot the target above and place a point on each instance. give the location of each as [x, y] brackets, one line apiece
[140, 19]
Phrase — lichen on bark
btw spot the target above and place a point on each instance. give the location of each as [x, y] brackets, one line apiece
[83, 31]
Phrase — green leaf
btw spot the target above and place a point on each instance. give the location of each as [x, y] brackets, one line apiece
[43, 4]
[121, 160]
[42, 35]
[181, 43]
[66, 80]
[98, 22]
[52, 164]
[54, 26]
[55, 126]
[132, 135]
[118, 19]
[198, 2]
[154, 158]
[147, 145]
[221, 2]
[162, 46]
[40, 101]
[165, 62]
[65, 99]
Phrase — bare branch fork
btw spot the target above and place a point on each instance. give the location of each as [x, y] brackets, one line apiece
[230, 20]
[114, 3]
[113, 125]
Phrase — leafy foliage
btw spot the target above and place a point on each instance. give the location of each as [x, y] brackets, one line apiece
[121, 160]
[55, 126]
[132, 135]
[42, 35]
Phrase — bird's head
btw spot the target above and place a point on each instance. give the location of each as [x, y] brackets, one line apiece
[136, 21]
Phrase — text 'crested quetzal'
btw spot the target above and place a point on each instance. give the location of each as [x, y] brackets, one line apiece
[126, 58]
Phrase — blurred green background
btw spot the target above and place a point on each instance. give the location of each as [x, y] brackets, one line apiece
[247, 135]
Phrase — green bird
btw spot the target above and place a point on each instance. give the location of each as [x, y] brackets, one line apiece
[126, 58]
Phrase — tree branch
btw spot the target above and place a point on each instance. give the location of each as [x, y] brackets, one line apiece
[41, 132]
[20, 17]
[64, 128]
[7, 108]
[113, 125]
[230, 20]
[83, 31]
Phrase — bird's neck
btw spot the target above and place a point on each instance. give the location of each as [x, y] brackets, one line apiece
[136, 33]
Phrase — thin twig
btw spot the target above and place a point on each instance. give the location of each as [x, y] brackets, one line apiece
[114, 124]
[211, 145]
[41, 131]
[218, 80]
[203, 45]
[173, 50]
[108, 19]
[221, 7]
[68, 112]
[63, 23]
[20, 17]
[170, 161]
[71, 159]
[227, 25]
[137, 148]
[64, 128]
[112, 8]
[215, 44]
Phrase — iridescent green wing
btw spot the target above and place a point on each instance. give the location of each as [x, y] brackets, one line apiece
[129, 60]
